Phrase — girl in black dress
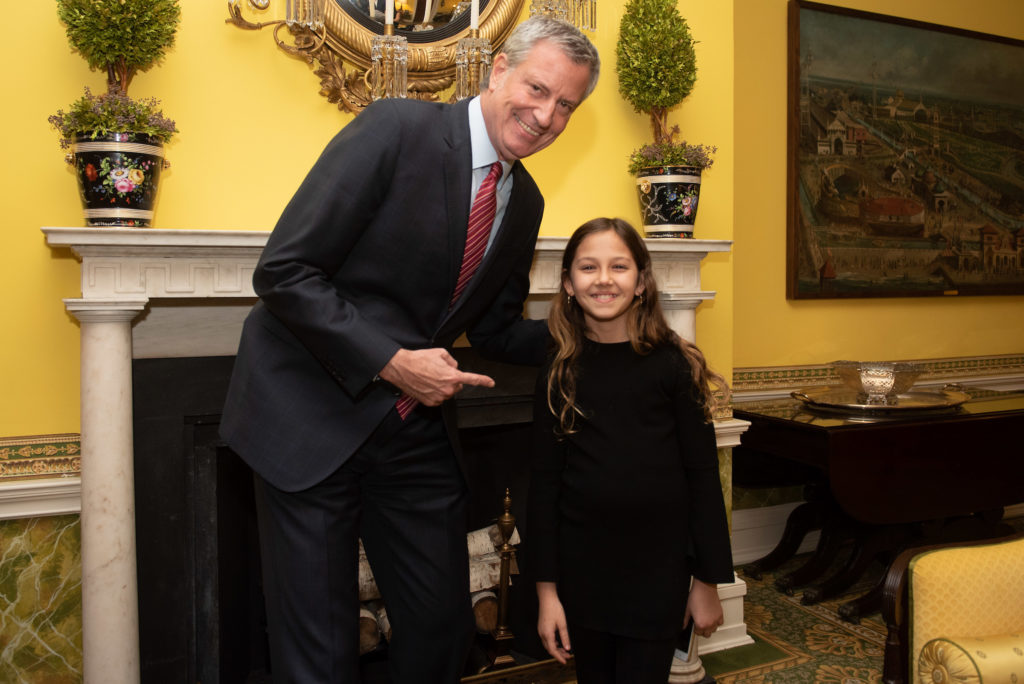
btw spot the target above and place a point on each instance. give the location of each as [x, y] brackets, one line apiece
[625, 499]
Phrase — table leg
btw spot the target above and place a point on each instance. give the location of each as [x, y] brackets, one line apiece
[868, 603]
[834, 533]
[802, 519]
[870, 541]
[967, 528]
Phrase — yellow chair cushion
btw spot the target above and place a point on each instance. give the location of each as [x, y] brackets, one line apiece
[969, 590]
[996, 660]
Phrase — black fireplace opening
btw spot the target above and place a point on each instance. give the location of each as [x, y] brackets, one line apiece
[200, 595]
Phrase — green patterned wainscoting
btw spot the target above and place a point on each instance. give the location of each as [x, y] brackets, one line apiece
[40, 600]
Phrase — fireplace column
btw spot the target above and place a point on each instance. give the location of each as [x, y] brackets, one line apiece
[681, 314]
[110, 615]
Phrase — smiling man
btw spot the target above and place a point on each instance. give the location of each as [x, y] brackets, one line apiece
[530, 97]
[417, 224]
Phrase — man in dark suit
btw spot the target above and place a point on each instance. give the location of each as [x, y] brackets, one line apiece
[338, 396]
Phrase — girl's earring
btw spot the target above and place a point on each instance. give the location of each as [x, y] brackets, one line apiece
[568, 300]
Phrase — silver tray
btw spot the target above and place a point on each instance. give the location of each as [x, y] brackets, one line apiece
[844, 400]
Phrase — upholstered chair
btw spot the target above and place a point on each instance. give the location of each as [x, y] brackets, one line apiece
[955, 613]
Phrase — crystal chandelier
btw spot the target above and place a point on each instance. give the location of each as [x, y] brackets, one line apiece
[472, 64]
[472, 58]
[307, 14]
[389, 60]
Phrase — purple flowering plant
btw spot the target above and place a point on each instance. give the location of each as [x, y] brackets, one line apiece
[112, 112]
[670, 153]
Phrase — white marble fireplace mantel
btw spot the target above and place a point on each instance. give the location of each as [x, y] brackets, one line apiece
[178, 293]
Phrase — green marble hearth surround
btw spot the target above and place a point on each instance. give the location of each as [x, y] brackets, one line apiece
[40, 568]
[40, 600]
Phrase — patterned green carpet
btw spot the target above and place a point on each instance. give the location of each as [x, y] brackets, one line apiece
[797, 644]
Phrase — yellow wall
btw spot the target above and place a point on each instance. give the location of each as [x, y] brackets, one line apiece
[771, 331]
[252, 122]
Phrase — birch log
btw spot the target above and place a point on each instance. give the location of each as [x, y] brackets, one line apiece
[369, 631]
[485, 611]
[484, 563]
[382, 618]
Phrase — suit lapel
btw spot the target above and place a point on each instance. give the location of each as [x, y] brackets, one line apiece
[458, 174]
[504, 242]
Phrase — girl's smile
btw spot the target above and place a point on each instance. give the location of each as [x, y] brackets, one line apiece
[604, 279]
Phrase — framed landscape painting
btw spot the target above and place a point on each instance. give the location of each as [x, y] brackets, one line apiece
[906, 158]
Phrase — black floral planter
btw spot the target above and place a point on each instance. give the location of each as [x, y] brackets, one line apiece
[668, 200]
[117, 178]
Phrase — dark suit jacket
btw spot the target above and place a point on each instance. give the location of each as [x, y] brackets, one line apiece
[363, 262]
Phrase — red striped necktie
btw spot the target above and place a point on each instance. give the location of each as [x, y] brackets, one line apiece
[478, 231]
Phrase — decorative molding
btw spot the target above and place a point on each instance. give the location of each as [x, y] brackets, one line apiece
[340, 49]
[765, 382]
[119, 263]
[128, 262]
[39, 456]
[39, 475]
[728, 432]
[37, 498]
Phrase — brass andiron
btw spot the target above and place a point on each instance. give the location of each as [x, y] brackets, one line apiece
[502, 635]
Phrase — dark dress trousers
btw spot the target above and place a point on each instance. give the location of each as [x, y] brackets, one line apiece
[363, 262]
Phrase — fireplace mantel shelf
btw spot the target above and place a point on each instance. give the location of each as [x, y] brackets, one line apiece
[127, 262]
[160, 293]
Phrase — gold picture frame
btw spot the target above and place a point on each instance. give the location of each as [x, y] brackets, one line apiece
[905, 160]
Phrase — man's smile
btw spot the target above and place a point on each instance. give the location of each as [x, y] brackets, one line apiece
[526, 127]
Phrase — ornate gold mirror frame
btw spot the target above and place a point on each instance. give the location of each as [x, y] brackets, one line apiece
[340, 51]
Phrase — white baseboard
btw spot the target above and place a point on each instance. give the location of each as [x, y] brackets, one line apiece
[756, 531]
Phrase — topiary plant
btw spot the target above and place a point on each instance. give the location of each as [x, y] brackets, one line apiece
[121, 37]
[657, 67]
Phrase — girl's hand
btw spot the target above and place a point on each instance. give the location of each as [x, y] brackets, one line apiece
[704, 608]
[551, 622]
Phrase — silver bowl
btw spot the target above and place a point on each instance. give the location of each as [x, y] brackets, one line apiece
[878, 382]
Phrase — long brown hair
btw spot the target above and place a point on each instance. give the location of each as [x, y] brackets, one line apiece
[645, 324]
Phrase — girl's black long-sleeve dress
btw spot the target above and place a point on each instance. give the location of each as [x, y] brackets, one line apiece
[624, 511]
